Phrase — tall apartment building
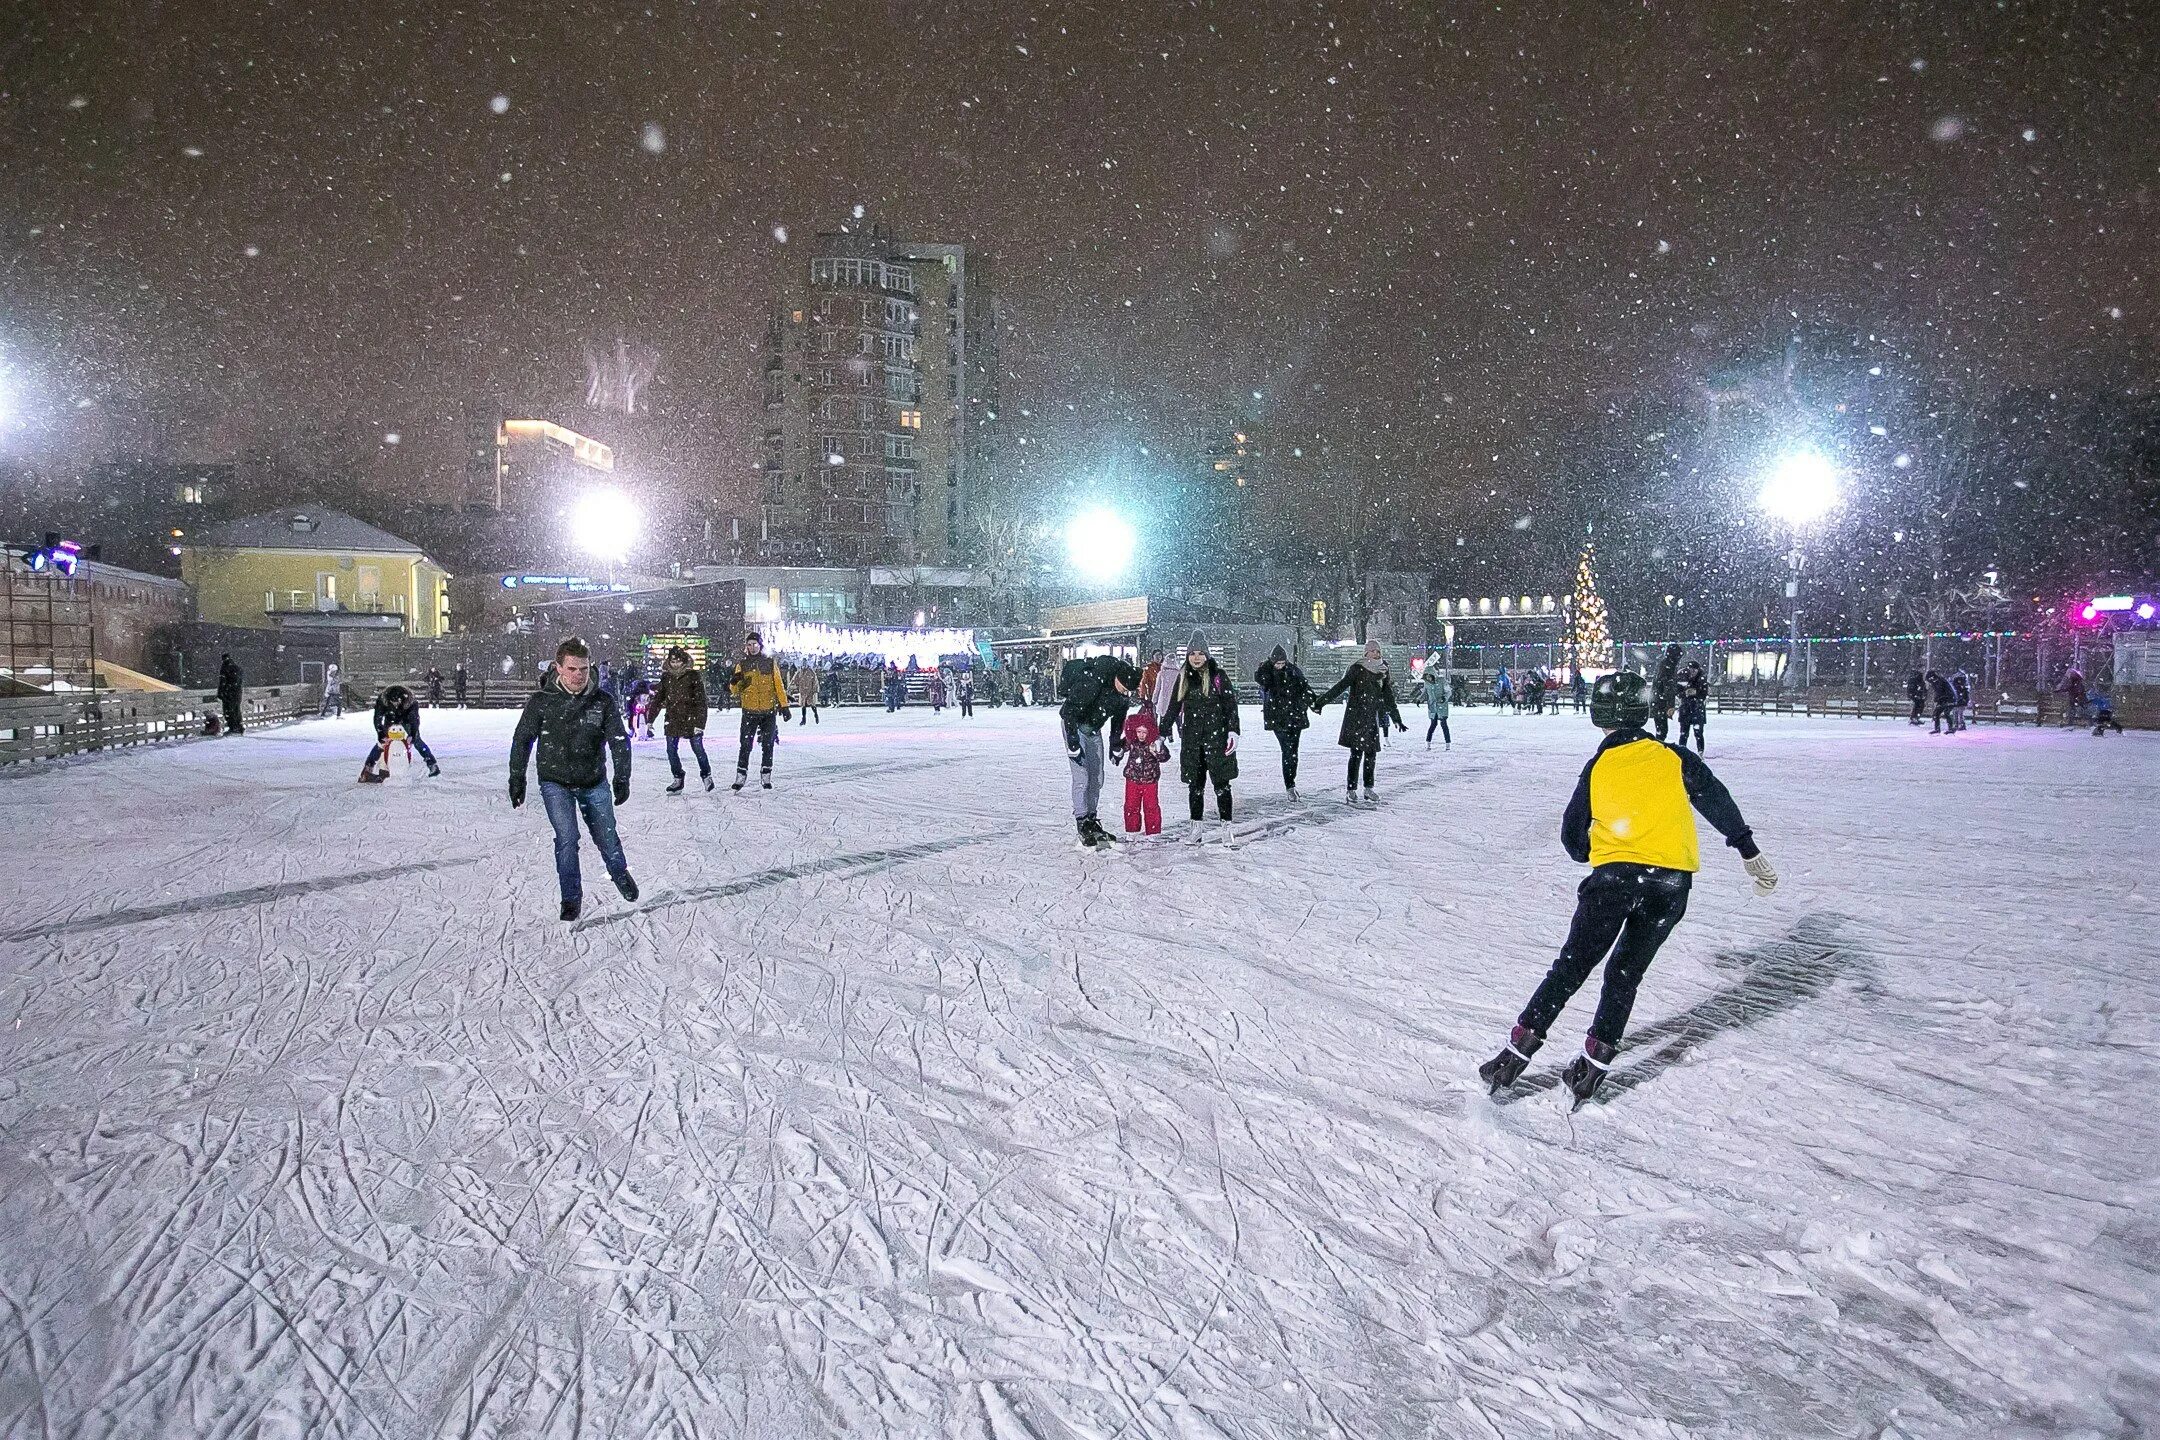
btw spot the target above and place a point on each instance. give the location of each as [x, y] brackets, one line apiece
[880, 403]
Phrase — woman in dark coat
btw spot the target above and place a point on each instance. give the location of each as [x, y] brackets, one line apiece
[1370, 704]
[1203, 707]
[684, 709]
[1285, 708]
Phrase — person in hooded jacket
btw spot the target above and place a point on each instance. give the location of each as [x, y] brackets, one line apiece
[1945, 698]
[1145, 751]
[1694, 694]
[1961, 688]
[683, 705]
[1370, 704]
[1916, 690]
[1098, 690]
[1285, 709]
[396, 706]
[1436, 700]
[1204, 711]
[578, 729]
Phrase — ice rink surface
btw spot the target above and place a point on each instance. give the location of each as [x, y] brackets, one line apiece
[890, 1112]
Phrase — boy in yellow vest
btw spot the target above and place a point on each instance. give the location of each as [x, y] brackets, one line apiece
[1630, 819]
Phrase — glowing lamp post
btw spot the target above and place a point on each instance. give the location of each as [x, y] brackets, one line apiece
[1799, 491]
[1099, 545]
[605, 523]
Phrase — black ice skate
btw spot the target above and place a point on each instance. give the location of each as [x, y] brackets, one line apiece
[1586, 1072]
[626, 885]
[742, 778]
[708, 783]
[433, 768]
[1505, 1068]
[570, 909]
[676, 788]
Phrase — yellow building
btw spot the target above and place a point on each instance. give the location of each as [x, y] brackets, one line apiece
[312, 568]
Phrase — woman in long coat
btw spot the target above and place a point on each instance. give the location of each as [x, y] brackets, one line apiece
[1370, 704]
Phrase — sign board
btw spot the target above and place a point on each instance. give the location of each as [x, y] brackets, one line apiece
[1131, 614]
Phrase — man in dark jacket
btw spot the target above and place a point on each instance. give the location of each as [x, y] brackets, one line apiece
[457, 683]
[683, 708]
[1204, 710]
[1285, 708]
[1916, 690]
[1632, 819]
[1098, 691]
[1666, 690]
[397, 707]
[578, 729]
[228, 693]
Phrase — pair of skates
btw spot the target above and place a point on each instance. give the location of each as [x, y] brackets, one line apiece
[1583, 1075]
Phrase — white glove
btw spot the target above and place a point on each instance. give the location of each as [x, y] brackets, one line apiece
[1229, 744]
[1762, 872]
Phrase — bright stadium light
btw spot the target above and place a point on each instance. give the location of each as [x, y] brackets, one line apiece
[1802, 489]
[1099, 543]
[605, 522]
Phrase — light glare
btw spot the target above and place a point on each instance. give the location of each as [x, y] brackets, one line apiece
[1099, 544]
[1803, 488]
[606, 523]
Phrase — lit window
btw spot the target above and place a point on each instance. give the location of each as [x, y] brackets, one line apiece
[1319, 612]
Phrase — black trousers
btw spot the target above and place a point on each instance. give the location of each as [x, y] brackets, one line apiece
[1439, 723]
[232, 716]
[1635, 905]
[1289, 740]
[1664, 719]
[1919, 705]
[1197, 790]
[760, 728]
[1691, 719]
[1365, 760]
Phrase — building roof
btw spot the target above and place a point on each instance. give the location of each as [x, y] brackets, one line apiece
[304, 527]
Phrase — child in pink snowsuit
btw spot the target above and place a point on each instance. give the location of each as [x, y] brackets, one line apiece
[1145, 751]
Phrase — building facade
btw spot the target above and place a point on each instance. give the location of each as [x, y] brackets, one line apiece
[880, 404]
[313, 568]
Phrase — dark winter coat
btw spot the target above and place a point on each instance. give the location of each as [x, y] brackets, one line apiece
[1666, 688]
[1370, 695]
[1961, 687]
[1916, 687]
[1204, 710]
[1285, 697]
[576, 733]
[683, 703]
[397, 706]
[1939, 686]
[1091, 695]
[228, 681]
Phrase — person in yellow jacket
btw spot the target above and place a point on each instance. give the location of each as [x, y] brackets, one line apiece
[756, 685]
[1631, 818]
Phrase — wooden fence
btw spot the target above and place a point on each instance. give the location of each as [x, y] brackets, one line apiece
[43, 726]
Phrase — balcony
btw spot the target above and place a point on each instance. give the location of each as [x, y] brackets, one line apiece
[305, 610]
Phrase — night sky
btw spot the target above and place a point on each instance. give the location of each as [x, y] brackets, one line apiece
[1420, 239]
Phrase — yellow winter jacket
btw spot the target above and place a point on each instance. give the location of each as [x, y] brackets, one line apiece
[1635, 801]
[757, 687]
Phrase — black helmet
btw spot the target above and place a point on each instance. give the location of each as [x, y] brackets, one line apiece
[1619, 701]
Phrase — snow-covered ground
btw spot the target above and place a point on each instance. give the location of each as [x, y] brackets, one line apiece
[891, 1112]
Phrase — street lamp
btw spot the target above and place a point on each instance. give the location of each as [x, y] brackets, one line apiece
[1099, 544]
[605, 523]
[1801, 489]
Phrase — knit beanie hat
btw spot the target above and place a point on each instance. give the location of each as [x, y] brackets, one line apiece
[1198, 643]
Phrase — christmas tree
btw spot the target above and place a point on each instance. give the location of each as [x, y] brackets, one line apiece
[1589, 634]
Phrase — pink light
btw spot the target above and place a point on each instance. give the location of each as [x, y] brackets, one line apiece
[2090, 612]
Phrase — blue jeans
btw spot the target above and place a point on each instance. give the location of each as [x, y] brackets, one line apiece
[598, 804]
[697, 748]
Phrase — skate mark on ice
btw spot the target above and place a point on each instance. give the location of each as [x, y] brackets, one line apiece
[865, 863]
[1776, 976]
[230, 899]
